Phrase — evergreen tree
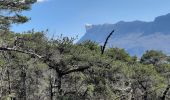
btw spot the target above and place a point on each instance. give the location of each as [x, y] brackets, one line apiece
[10, 12]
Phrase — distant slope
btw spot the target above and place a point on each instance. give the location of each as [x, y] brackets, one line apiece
[135, 37]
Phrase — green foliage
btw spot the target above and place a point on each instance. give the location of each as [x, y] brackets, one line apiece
[90, 45]
[78, 71]
[152, 57]
[118, 54]
[34, 67]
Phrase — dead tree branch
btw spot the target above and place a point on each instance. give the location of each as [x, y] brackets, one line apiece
[20, 51]
[105, 43]
[165, 92]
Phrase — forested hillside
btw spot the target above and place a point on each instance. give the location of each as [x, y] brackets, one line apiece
[35, 67]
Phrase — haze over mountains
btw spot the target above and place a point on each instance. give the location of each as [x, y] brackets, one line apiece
[135, 37]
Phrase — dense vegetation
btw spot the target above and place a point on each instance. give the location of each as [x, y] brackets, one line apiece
[34, 67]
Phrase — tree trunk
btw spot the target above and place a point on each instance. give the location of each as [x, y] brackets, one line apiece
[9, 83]
[51, 89]
[37, 83]
[59, 85]
[145, 96]
[23, 80]
[60, 92]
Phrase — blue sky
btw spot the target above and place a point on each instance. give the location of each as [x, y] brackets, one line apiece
[68, 17]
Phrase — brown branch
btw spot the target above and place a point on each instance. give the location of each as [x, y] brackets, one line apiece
[165, 92]
[105, 43]
[20, 51]
[80, 69]
[71, 92]
[140, 83]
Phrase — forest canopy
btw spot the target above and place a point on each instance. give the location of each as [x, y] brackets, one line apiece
[35, 67]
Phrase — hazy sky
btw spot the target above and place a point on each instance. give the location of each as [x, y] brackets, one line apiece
[68, 17]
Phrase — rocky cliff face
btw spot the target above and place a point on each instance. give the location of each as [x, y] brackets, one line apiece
[135, 37]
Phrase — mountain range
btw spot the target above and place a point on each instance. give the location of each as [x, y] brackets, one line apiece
[135, 37]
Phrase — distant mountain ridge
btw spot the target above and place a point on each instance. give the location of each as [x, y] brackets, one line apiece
[135, 37]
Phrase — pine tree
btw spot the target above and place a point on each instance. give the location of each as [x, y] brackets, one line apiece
[10, 12]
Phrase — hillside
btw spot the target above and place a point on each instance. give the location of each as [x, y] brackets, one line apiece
[135, 37]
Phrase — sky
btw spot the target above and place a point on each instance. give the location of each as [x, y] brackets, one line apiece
[69, 17]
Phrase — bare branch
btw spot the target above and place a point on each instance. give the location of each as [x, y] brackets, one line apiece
[165, 92]
[81, 68]
[20, 51]
[104, 46]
